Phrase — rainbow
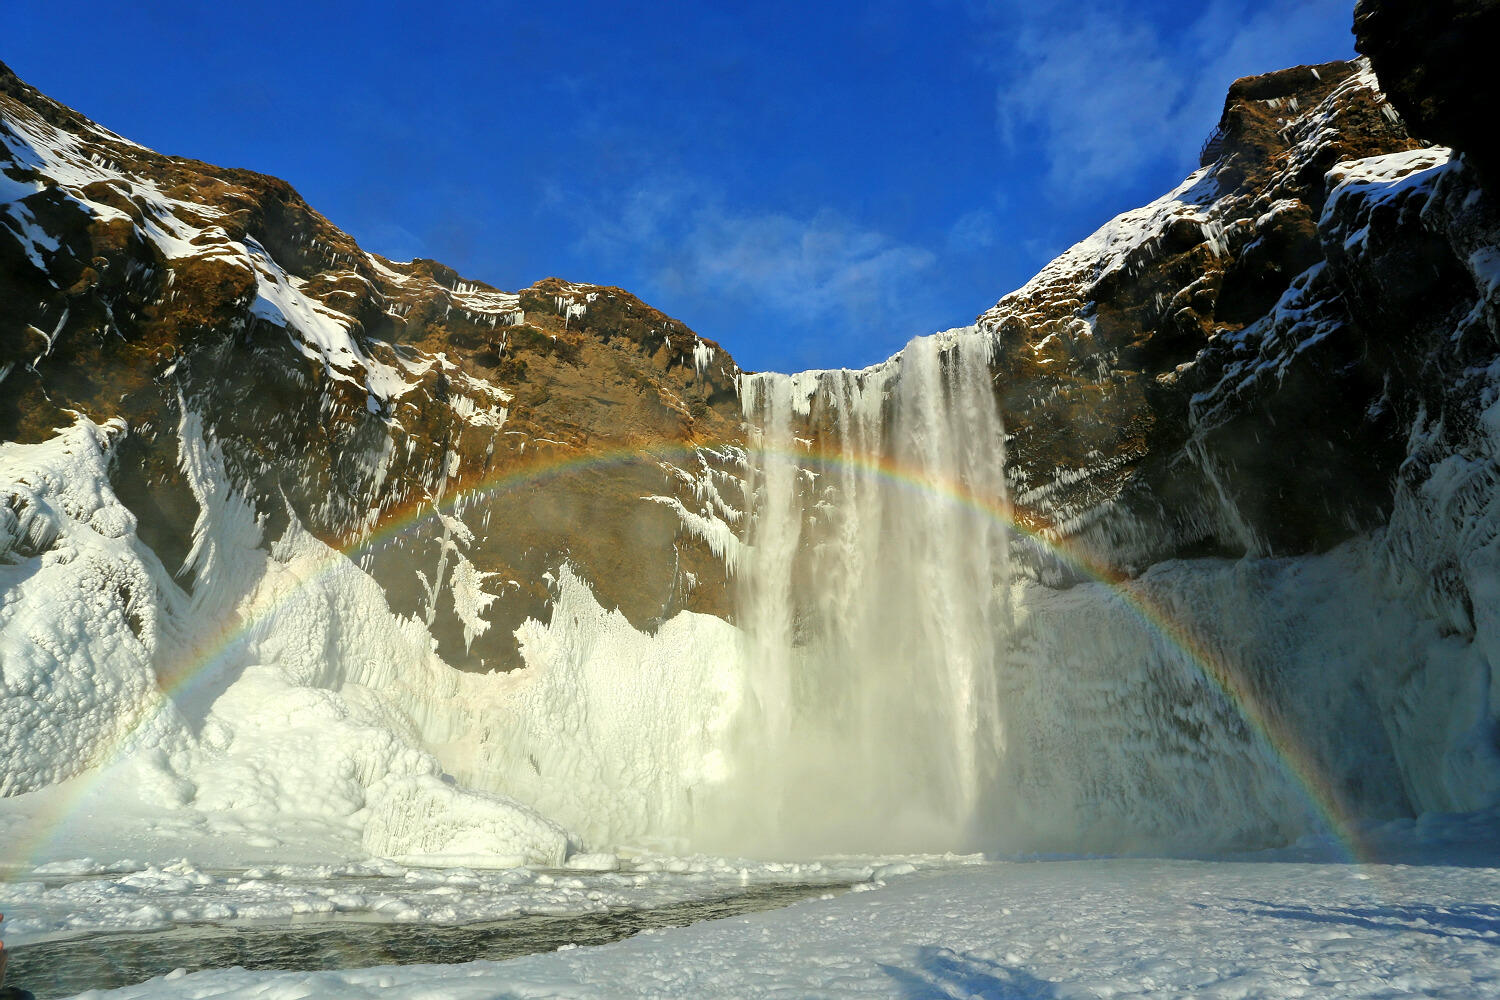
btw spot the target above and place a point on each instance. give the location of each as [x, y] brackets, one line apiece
[210, 654]
[1274, 735]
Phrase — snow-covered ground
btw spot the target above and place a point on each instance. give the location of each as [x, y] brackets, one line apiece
[72, 899]
[1293, 922]
[1085, 929]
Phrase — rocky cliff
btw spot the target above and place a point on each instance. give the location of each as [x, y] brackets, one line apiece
[1433, 60]
[354, 393]
[1236, 368]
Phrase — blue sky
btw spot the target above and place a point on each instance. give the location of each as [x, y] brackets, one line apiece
[811, 184]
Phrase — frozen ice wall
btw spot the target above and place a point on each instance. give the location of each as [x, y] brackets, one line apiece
[279, 699]
[1358, 695]
[889, 682]
[81, 612]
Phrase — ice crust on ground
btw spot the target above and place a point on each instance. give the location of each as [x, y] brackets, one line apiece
[1083, 929]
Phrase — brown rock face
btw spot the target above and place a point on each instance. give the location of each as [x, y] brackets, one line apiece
[352, 392]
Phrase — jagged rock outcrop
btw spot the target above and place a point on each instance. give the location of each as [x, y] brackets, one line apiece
[1236, 367]
[352, 392]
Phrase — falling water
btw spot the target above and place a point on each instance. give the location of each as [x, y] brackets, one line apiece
[871, 595]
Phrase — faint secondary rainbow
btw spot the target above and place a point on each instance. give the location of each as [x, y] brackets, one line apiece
[210, 653]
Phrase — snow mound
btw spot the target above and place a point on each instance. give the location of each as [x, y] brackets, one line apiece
[616, 733]
[423, 820]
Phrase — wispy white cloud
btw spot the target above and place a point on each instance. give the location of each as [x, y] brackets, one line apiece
[974, 231]
[847, 290]
[1091, 96]
[1102, 92]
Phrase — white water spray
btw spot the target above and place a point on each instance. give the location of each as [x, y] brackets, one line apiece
[872, 602]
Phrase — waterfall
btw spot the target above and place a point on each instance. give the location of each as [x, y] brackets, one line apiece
[872, 601]
[901, 689]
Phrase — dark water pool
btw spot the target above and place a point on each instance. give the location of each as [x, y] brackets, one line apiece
[105, 961]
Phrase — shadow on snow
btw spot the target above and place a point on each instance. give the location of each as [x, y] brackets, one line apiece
[940, 974]
[1469, 921]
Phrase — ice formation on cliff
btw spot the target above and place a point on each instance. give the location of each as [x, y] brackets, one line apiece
[281, 687]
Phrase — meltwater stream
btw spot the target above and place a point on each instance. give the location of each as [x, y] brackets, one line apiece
[108, 961]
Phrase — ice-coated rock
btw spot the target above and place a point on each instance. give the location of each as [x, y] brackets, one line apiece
[424, 820]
